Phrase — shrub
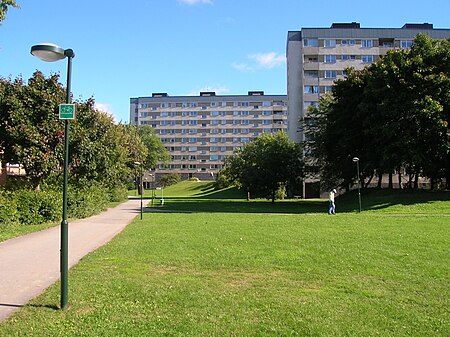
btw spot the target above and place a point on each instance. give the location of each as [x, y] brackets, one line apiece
[170, 179]
[37, 207]
[86, 201]
[8, 210]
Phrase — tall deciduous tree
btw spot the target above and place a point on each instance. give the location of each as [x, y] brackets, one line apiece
[393, 115]
[263, 166]
[156, 152]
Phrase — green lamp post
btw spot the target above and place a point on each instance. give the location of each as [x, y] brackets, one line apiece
[50, 53]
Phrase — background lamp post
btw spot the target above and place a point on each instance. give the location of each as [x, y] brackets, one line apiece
[50, 53]
[140, 182]
[356, 160]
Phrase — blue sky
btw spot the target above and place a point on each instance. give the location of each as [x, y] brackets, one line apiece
[132, 48]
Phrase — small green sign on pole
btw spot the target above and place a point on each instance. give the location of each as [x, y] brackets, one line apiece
[67, 111]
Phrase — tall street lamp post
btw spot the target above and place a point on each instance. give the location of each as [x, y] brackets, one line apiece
[356, 160]
[51, 53]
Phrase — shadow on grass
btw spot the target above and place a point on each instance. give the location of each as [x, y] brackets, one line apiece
[233, 201]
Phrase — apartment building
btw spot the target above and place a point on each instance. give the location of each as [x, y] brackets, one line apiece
[316, 57]
[200, 131]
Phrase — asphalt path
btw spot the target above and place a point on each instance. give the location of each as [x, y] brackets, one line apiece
[29, 264]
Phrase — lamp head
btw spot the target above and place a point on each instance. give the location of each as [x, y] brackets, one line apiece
[50, 52]
[355, 159]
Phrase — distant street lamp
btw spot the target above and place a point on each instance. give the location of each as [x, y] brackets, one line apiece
[356, 160]
[140, 183]
[49, 53]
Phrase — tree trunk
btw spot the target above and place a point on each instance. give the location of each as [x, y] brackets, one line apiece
[399, 178]
[391, 184]
[416, 181]
[380, 180]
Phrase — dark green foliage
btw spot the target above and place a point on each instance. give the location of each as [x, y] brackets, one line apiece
[170, 179]
[86, 201]
[37, 207]
[269, 163]
[8, 210]
[393, 115]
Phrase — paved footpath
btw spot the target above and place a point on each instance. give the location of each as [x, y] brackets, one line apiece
[29, 264]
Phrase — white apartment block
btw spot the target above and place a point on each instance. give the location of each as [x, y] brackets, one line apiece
[200, 131]
[316, 57]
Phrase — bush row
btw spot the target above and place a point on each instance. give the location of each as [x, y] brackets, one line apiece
[24, 207]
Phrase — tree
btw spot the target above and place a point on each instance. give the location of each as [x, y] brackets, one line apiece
[267, 164]
[4, 8]
[30, 131]
[393, 115]
[32, 135]
[156, 152]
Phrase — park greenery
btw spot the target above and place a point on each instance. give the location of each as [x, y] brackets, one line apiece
[394, 116]
[265, 167]
[102, 154]
[4, 6]
[228, 266]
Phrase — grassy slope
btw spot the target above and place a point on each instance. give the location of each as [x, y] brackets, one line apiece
[258, 274]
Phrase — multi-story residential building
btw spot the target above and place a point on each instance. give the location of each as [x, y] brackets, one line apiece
[200, 131]
[316, 57]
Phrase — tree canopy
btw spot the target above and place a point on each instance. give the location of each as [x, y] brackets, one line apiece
[266, 164]
[99, 150]
[394, 115]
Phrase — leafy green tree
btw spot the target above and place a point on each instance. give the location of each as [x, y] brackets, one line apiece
[393, 115]
[156, 152]
[264, 166]
[4, 4]
[31, 133]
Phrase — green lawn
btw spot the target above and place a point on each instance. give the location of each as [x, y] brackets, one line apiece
[237, 268]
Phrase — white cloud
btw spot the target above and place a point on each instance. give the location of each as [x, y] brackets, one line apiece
[268, 60]
[196, 2]
[242, 67]
[219, 90]
[105, 107]
[261, 61]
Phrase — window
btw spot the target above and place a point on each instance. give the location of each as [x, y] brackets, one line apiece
[245, 113]
[330, 73]
[406, 44]
[214, 157]
[311, 42]
[193, 104]
[367, 43]
[193, 131]
[348, 42]
[164, 114]
[213, 140]
[329, 43]
[164, 123]
[348, 57]
[192, 157]
[214, 148]
[192, 140]
[193, 113]
[267, 121]
[214, 113]
[311, 89]
[244, 122]
[192, 122]
[328, 88]
[367, 58]
[192, 148]
[330, 58]
[245, 140]
[311, 74]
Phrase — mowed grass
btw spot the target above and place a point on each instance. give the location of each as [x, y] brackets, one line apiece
[267, 273]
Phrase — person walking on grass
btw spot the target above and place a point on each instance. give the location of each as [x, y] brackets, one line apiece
[332, 208]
